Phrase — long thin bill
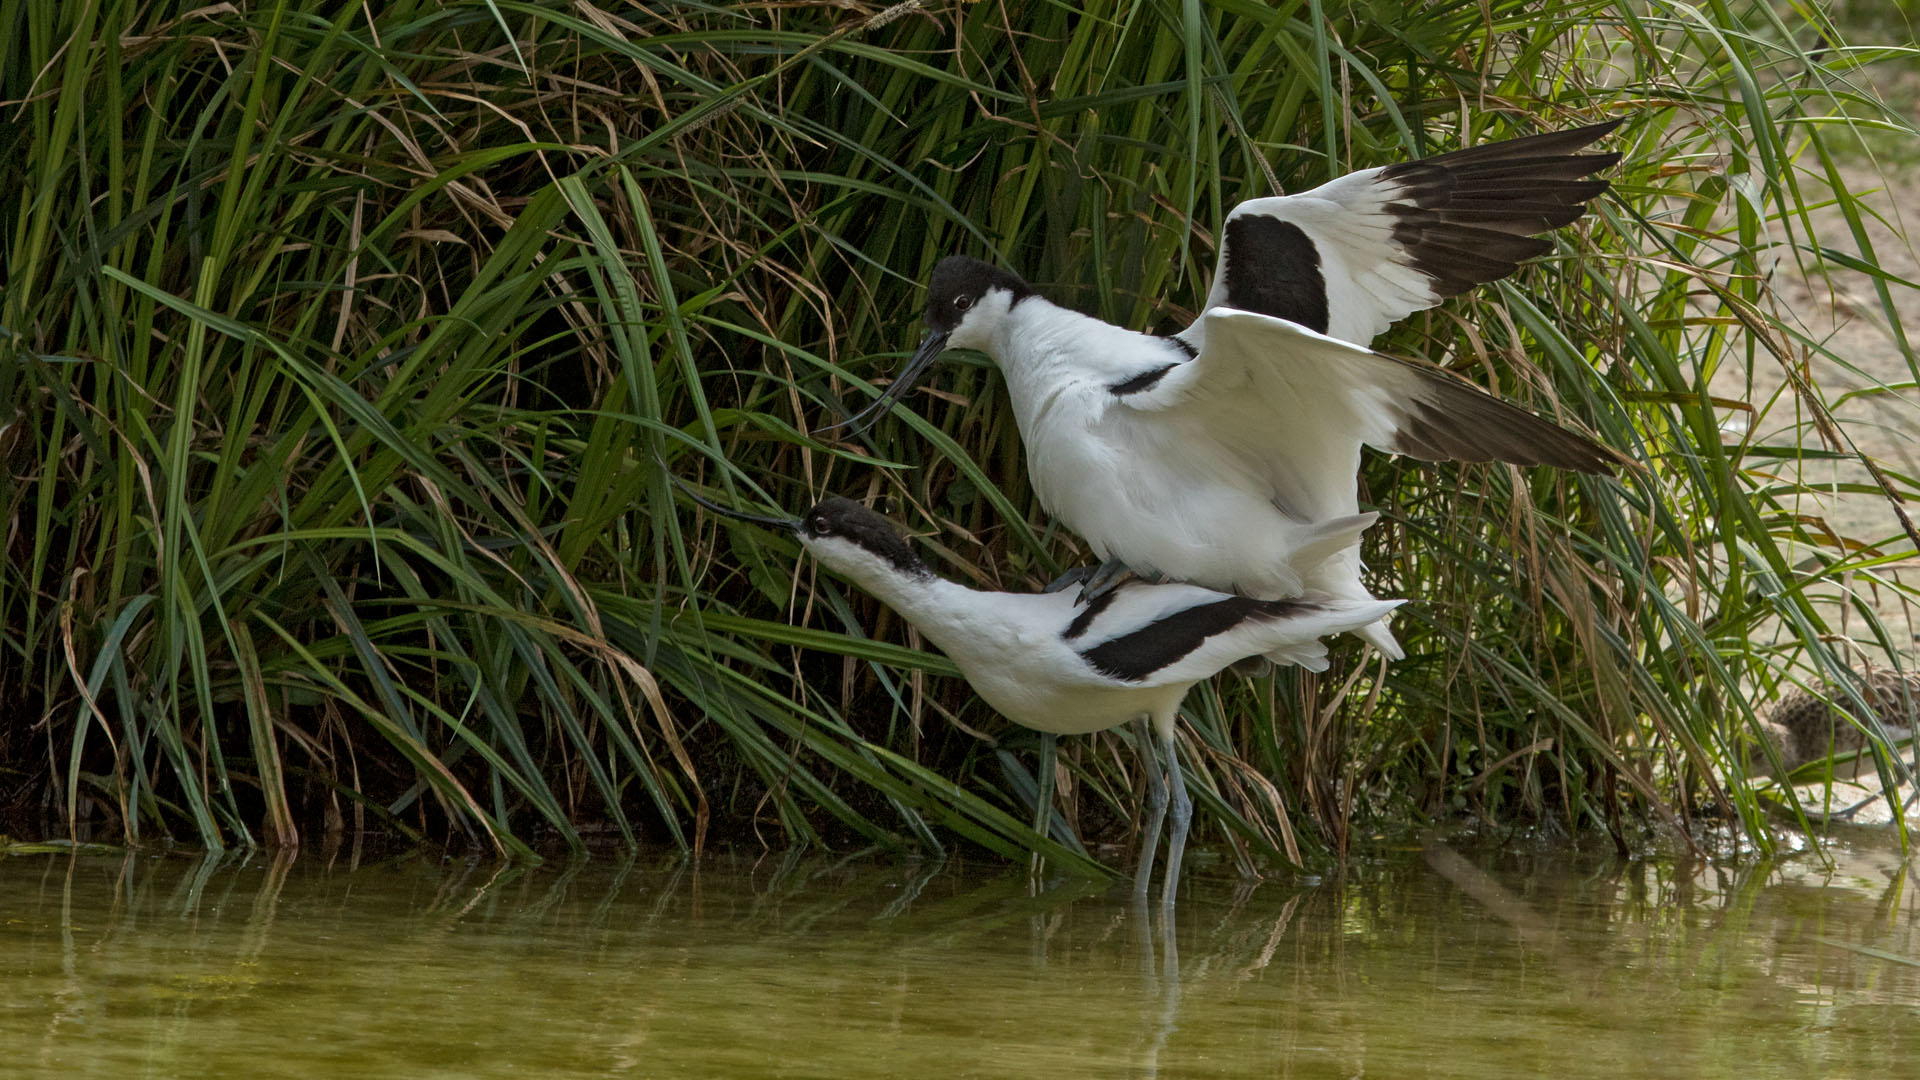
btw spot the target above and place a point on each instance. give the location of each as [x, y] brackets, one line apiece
[790, 524]
[923, 358]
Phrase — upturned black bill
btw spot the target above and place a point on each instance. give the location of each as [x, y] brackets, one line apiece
[789, 524]
[923, 358]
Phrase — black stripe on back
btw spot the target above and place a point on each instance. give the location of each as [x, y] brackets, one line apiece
[1143, 381]
[1137, 656]
[1274, 269]
[1091, 612]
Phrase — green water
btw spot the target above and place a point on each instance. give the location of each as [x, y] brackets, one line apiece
[1411, 964]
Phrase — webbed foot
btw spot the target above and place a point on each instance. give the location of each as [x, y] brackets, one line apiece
[1076, 576]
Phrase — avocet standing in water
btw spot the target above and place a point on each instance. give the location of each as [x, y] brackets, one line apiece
[1049, 663]
[1219, 455]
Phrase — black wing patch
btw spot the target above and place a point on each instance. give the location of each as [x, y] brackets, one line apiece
[1461, 218]
[1272, 268]
[1137, 656]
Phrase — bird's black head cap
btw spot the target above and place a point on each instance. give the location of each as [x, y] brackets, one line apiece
[959, 282]
[842, 518]
[956, 287]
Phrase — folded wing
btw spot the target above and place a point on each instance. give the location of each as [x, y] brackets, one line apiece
[1352, 256]
[1197, 640]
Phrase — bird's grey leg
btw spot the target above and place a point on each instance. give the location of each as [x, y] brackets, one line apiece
[1143, 940]
[1182, 817]
[1111, 575]
[1156, 810]
[1043, 797]
[1252, 667]
[1076, 576]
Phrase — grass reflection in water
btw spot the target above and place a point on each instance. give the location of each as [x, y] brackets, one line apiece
[1435, 962]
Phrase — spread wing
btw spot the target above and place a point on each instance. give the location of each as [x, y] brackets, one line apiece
[1354, 255]
[1299, 404]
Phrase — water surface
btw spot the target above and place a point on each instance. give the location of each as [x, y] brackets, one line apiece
[1435, 962]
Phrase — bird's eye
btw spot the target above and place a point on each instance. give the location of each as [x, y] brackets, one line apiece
[962, 303]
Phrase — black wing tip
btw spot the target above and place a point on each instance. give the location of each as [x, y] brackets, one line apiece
[1463, 218]
[1578, 453]
[1564, 449]
[1568, 138]
[1454, 420]
[1548, 148]
[1588, 133]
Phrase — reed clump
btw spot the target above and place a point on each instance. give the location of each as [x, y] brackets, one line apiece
[343, 349]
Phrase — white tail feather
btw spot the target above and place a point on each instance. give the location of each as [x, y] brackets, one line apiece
[1329, 538]
[1311, 655]
[1336, 615]
[1377, 635]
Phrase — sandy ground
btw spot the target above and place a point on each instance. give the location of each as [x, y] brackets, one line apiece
[1844, 312]
[1869, 381]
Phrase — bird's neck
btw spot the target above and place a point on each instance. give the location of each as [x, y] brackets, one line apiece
[1047, 352]
[954, 618]
[925, 599]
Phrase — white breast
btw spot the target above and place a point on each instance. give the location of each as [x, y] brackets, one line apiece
[1012, 651]
[1157, 494]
